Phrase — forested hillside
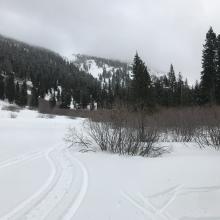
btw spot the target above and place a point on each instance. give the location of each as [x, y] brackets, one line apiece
[48, 72]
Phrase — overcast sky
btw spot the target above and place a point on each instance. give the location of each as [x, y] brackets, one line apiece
[162, 31]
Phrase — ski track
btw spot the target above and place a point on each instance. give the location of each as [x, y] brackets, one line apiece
[147, 208]
[21, 158]
[62, 194]
[25, 203]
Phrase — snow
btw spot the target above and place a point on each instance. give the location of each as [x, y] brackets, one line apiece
[29, 83]
[42, 179]
[95, 70]
[90, 66]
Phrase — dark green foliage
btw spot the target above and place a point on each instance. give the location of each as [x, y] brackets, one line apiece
[34, 98]
[141, 84]
[10, 88]
[65, 98]
[208, 75]
[23, 94]
[17, 94]
[45, 69]
[172, 87]
[2, 88]
[217, 88]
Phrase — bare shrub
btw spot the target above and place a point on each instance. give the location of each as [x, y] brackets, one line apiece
[136, 133]
[177, 125]
[121, 132]
[73, 138]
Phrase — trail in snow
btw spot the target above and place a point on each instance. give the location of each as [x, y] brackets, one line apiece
[21, 158]
[62, 194]
[145, 205]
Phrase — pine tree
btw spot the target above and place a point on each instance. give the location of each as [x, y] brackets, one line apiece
[110, 94]
[208, 75]
[23, 94]
[197, 94]
[34, 97]
[17, 94]
[172, 86]
[2, 88]
[179, 91]
[10, 88]
[65, 98]
[217, 88]
[141, 84]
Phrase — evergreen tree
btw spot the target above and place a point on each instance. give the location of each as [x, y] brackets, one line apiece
[17, 94]
[179, 91]
[2, 88]
[23, 94]
[141, 84]
[10, 88]
[65, 98]
[217, 88]
[208, 75]
[34, 97]
[110, 94]
[197, 94]
[172, 87]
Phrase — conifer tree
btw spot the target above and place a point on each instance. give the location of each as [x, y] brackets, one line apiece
[217, 88]
[34, 97]
[23, 94]
[17, 94]
[208, 75]
[197, 94]
[179, 92]
[172, 86]
[2, 88]
[10, 88]
[140, 84]
[65, 98]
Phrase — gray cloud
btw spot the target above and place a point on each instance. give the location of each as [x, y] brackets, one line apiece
[163, 32]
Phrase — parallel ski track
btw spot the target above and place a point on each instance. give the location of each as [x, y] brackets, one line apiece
[61, 196]
[22, 158]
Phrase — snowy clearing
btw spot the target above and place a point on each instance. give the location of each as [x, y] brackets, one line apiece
[41, 179]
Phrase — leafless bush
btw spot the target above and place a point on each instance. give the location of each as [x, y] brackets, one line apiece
[73, 138]
[136, 133]
[124, 135]
[208, 136]
[208, 133]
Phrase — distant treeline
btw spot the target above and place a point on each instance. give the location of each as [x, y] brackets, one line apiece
[51, 74]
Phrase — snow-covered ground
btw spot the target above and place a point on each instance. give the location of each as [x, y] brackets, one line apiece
[41, 179]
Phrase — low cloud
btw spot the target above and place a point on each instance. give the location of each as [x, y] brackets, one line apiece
[163, 32]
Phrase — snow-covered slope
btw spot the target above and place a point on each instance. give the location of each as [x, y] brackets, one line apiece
[96, 66]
